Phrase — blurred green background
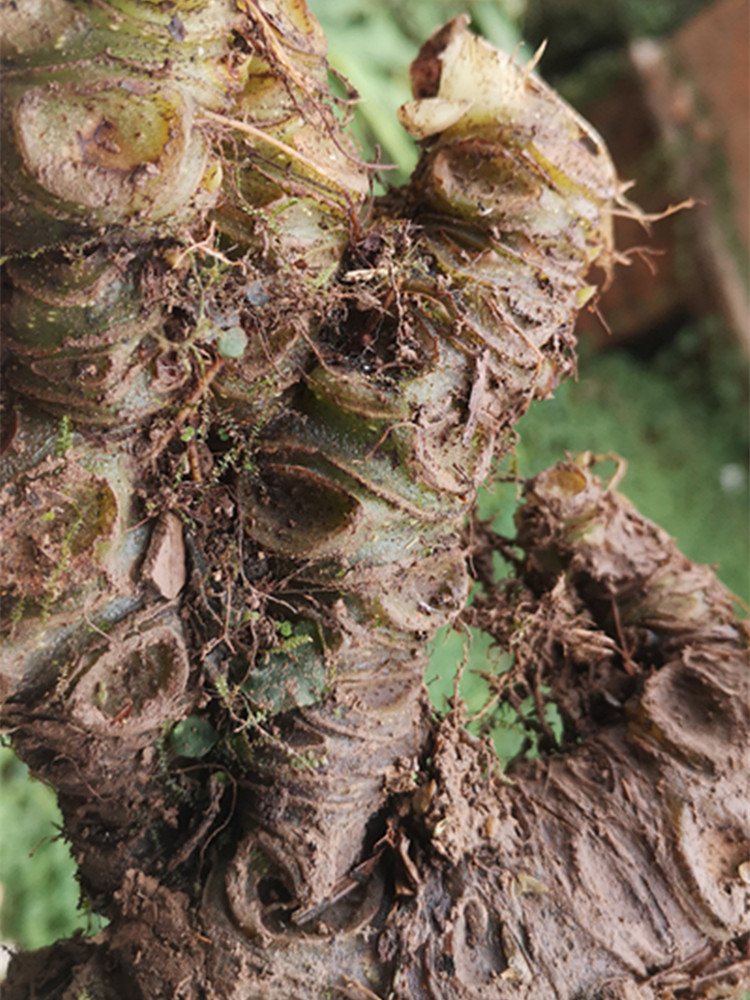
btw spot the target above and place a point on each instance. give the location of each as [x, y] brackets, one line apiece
[676, 412]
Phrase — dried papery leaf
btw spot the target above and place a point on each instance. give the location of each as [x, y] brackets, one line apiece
[164, 566]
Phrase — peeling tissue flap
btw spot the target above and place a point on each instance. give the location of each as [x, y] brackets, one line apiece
[474, 76]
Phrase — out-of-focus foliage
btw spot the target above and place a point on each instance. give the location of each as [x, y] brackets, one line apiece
[40, 897]
[576, 28]
[472, 652]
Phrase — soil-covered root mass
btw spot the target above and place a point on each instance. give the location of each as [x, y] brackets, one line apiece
[250, 410]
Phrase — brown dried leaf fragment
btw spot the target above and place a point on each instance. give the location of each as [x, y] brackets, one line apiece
[164, 566]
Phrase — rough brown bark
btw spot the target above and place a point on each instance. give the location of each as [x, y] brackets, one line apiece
[217, 619]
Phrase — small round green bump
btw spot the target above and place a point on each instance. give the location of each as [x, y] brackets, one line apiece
[232, 342]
